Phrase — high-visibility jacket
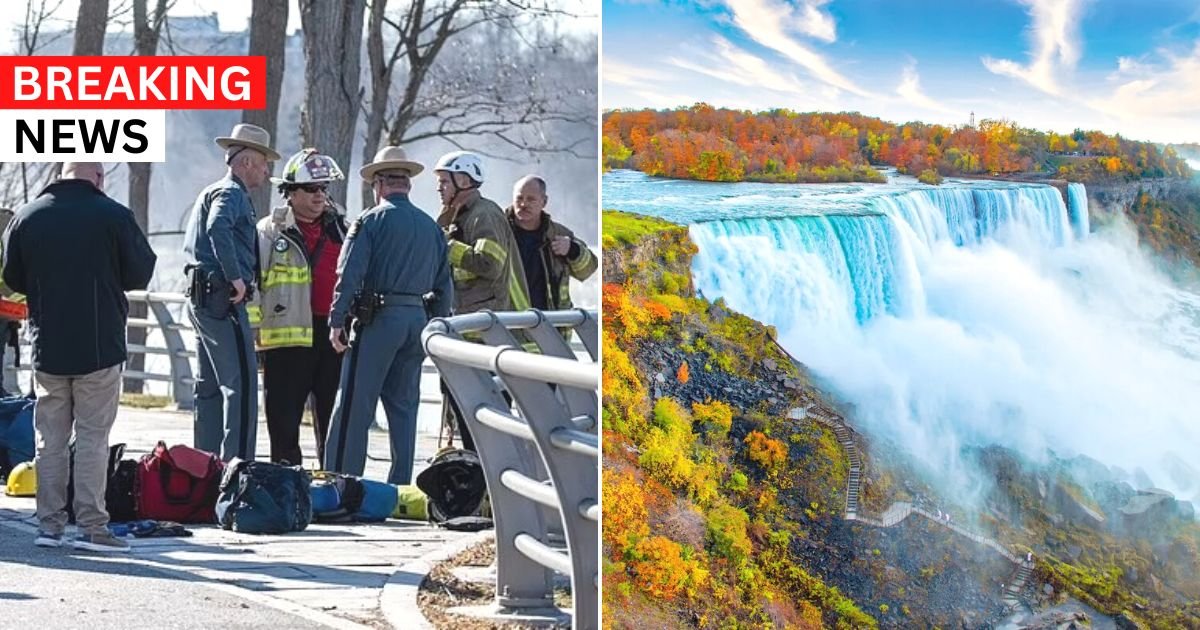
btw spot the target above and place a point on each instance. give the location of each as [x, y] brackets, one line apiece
[558, 270]
[484, 259]
[281, 312]
[12, 304]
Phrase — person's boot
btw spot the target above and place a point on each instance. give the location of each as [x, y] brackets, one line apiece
[103, 542]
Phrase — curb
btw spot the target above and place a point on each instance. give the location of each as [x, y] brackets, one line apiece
[398, 600]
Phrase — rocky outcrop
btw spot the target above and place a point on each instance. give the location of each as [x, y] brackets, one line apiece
[1119, 196]
[667, 251]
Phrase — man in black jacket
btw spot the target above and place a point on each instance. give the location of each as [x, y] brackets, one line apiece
[74, 252]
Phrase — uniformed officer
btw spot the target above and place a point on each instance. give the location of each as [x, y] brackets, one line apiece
[393, 258]
[221, 248]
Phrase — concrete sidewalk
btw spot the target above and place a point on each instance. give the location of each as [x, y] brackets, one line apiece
[332, 576]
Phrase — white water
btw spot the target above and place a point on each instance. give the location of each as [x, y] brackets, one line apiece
[969, 314]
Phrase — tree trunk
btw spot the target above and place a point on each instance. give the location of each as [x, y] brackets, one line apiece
[145, 37]
[90, 25]
[381, 84]
[332, 37]
[268, 36]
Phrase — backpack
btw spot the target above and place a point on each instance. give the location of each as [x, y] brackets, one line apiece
[457, 490]
[178, 484]
[340, 498]
[264, 498]
[16, 432]
[118, 491]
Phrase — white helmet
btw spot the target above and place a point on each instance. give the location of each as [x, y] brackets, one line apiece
[309, 167]
[462, 162]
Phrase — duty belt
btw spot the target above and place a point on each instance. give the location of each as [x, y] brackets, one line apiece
[402, 299]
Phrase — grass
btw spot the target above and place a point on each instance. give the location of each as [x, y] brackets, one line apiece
[626, 228]
[145, 401]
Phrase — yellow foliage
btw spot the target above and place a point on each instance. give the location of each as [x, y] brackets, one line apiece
[624, 395]
[716, 414]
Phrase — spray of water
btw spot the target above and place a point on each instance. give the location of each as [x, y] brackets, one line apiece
[968, 315]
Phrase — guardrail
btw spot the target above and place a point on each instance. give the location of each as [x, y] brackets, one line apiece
[166, 315]
[552, 431]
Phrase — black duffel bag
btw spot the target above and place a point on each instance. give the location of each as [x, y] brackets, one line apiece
[264, 498]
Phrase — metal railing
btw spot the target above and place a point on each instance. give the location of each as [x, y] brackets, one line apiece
[167, 316]
[179, 375]
[539, 454]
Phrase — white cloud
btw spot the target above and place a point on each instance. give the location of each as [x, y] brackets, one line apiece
[619, 73]
[910, 90]
[768, 23]
[1169, 88]
[736, 66]
[1056, 47]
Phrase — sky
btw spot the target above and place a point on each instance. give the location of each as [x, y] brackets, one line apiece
[1129, 66]
[234, 15]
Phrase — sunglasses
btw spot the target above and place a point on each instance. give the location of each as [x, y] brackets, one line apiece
[313, 188]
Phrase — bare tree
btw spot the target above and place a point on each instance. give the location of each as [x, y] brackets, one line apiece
[268, 35]
[21, 180]
[484, 90]
[332, 40]
[90, 25]
[146, 31]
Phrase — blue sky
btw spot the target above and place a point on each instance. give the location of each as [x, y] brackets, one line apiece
[1130, 66]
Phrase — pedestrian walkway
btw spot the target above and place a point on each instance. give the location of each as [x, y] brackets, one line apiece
[901, 510]
[330, 575]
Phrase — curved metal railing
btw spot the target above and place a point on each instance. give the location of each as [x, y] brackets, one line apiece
[541, 451]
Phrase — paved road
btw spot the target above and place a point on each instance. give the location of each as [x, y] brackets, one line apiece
[60, 588]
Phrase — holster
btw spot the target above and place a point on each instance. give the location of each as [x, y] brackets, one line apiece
[365, 305]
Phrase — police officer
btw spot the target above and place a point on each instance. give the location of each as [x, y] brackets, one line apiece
[221, 248]
[483, 254]
[393, 258]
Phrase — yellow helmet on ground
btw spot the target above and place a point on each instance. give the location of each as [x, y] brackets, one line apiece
[22, 481]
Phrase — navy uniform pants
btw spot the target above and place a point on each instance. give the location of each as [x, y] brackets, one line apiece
[226, 413]
[382, 363]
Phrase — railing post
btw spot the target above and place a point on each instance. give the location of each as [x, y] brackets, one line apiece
[574, 475]
[521, 583]
[181, 366]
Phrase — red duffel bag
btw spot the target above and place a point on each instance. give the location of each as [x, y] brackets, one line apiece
[179, 484]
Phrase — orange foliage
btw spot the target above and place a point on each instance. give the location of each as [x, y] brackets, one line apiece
[660, 569]
[625, 518]
[705, 143]
[765, 451]
[657, 311]
[682, 374]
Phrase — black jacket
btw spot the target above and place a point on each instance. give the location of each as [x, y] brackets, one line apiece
[74, 252]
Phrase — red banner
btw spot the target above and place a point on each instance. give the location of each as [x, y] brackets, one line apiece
[133, 82]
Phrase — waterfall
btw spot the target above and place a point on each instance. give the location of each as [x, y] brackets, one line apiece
[1078, 208]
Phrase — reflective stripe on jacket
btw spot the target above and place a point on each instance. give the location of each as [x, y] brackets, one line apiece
[559, 269]
[282, 309]
[484, 260]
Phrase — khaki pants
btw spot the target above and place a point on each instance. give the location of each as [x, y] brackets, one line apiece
[88, 404]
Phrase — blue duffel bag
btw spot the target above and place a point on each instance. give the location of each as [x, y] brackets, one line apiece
[16, 432]
[264, 498]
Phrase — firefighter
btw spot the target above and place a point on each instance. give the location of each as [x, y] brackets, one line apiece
[393, 274]
[550, 253]
[299, 244]
[483, 254]
[220, 245]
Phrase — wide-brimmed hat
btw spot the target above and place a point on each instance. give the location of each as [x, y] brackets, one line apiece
[390, 157]
[250, 136]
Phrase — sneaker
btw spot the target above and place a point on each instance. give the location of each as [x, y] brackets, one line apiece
[103, 542]
[46, 539]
